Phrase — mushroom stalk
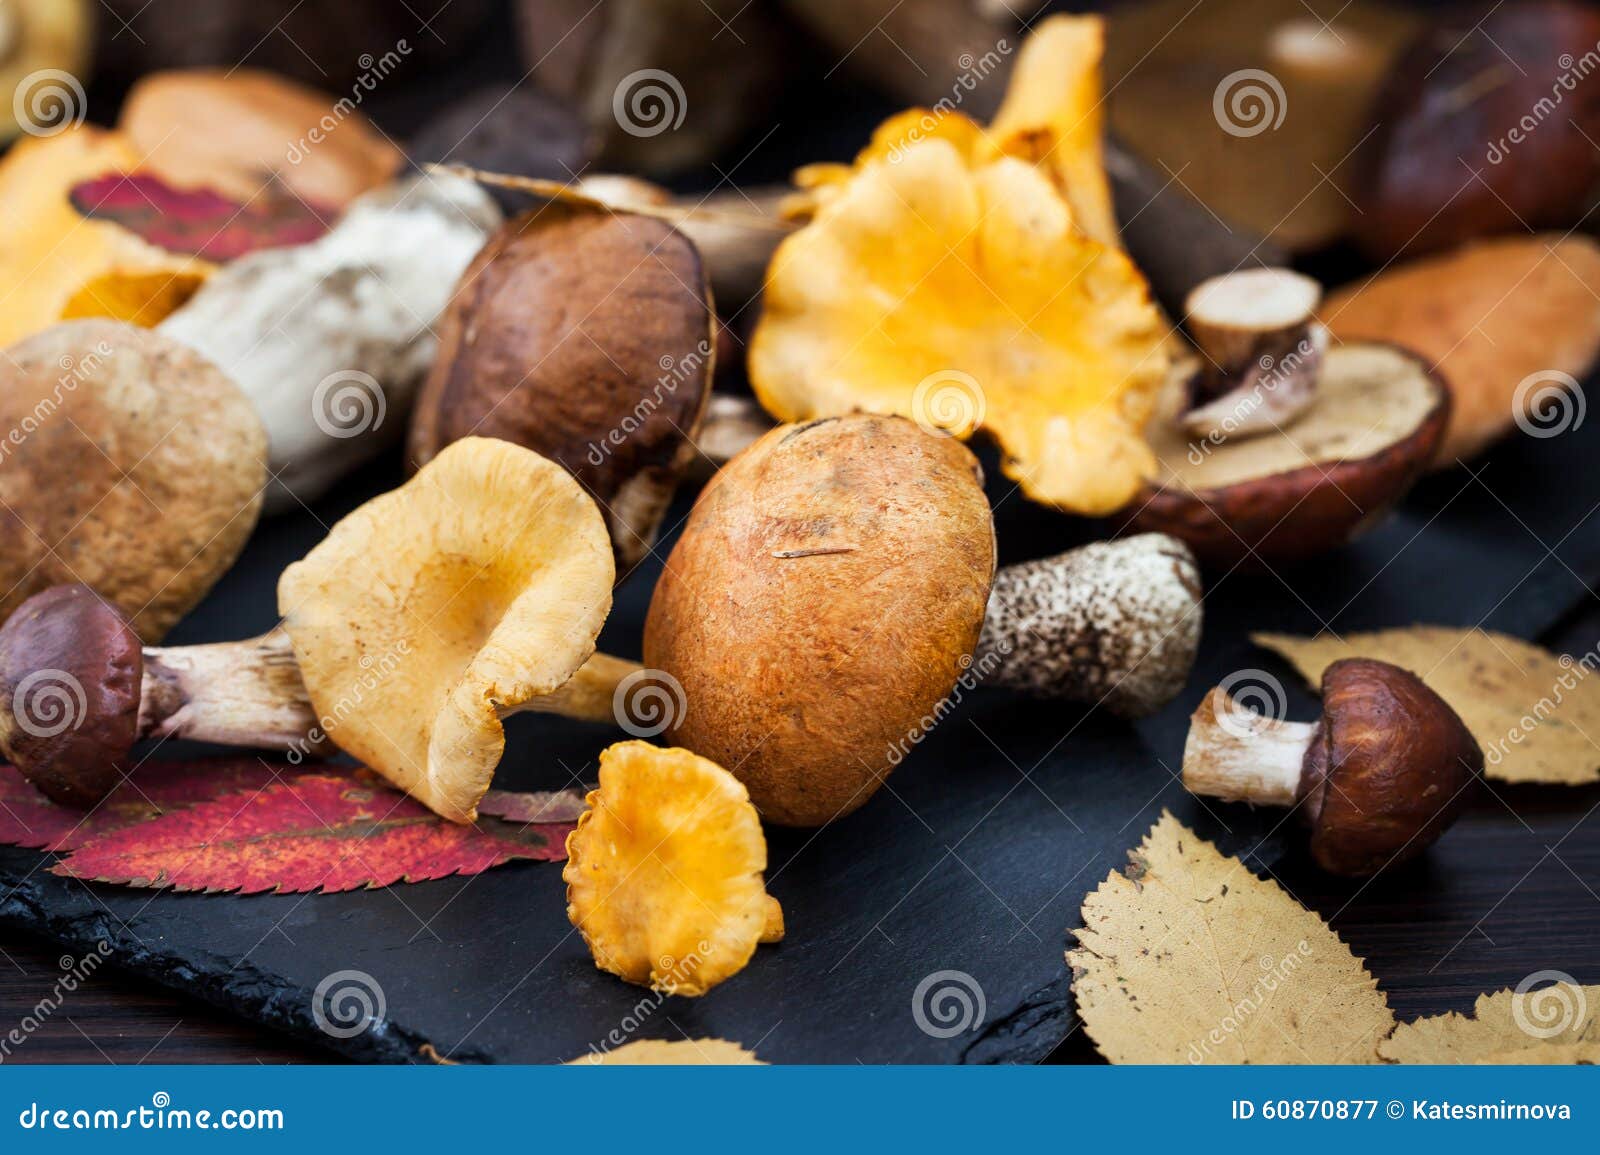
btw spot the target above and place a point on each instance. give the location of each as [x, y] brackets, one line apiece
[250, 693]
[1238, 755]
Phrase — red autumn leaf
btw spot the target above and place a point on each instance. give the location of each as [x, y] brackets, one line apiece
[28, 818]
[199, 221]
[326, 832]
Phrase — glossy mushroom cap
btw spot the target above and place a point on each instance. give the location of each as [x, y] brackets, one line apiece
[70, 674]
[1387, 771]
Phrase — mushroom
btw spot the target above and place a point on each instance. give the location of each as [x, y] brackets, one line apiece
[832, 587]
[663, 85]
[1262, 348]
[129, 463]
[44, 53]
[1486, 128]
[423, 619]
[239, 131]
[1254, 106]
[332, 339]
[586, 335]
[1285, 494]
[1378, 778]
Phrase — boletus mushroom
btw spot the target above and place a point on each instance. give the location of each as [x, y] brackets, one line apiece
[1275, 446]
[588, 336]
[332, 339]
[426, 616]
[1378, 778]
[130, 464]
[837, 579]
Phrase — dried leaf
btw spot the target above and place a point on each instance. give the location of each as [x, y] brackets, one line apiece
[1537, 716]
[1555, 1023]
[684, 1053]
[28, 818]
[538, 806]
[1190, 958]
[327, 832]
[199, 221]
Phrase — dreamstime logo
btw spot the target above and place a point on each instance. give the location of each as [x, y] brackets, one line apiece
[649, 102]
[1249, 102]
[347, 1004]
[1550, 1010]
[1548, 403]
[649, 702]
[1251, 695]
[48, 102]
[348, 403]
[49, 702]
[947, 1003]
[949, 401]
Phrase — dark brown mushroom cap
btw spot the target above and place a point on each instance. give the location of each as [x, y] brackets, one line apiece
[1388, 770]
[70, 674]
[585, 335]
[824, 598]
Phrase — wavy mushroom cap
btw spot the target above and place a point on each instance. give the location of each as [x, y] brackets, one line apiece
[479, 584]
[825, 595]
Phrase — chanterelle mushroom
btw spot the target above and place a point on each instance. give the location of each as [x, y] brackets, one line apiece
[833, 584]
[132, 464]
[586, 335]
[424, 617]
[1378, 778]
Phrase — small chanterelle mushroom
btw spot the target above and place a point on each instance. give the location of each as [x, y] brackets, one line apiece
[833, 584]
[472, 592]
[1379, 777]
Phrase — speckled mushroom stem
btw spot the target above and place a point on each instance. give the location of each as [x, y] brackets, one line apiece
[1238, 755]
[1111, 622]
[245, 693]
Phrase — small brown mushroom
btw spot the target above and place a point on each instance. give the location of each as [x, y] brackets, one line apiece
[1375, 422]
[1378, 778]
[832, 590]
[129, 463]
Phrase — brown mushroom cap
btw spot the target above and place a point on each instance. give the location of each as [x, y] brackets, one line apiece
[585, 335]
[1387, 771]
[1377, 419]
[70, 674]
[133, 465]
[820, 603]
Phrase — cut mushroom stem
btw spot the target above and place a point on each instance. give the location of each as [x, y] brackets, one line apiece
[1378, 778]
[79, 692]
[1262, 347]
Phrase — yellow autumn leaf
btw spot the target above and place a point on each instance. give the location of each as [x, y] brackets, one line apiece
[1190, 958]
[1536, 715]
[684, 1053]
[1539, 1022]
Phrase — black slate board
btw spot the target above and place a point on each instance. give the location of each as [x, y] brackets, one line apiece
[975, 859]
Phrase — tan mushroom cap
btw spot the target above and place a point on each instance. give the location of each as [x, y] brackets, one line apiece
[434, 609]
[820, 603]
[128, 463]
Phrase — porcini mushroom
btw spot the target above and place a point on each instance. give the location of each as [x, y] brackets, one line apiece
[1285, 494]
[833, 584]
[1378, 778]
[131, 464]
[586, 335]
[332, 339]
[424, 618]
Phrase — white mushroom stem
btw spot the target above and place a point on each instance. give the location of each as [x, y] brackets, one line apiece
[731, 425]
[1238, 755]
[250, 694]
